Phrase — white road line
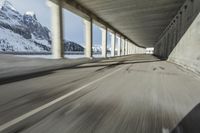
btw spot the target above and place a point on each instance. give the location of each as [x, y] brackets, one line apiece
[33, 112]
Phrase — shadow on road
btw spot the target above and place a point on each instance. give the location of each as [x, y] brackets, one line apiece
[105, 65]
[115, 64]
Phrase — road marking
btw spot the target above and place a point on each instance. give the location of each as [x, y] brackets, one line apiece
[33, 112]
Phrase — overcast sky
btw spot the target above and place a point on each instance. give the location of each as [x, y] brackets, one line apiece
[73, 24]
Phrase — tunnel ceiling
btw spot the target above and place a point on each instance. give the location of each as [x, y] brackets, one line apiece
[140, 20]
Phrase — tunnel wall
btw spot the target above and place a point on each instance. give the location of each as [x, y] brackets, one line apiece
[187, 51]
[180, 42]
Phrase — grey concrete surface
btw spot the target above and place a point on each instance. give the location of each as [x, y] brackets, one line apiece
[186, 53]
[177, 29]
[15, 68]
[180, 41]
[142, 21]
[145, 95]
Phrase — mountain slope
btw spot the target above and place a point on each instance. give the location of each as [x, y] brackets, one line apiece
[24, 33]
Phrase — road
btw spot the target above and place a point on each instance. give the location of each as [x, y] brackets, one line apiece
[132, 94]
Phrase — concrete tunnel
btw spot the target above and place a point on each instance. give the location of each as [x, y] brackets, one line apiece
[131, 92]
[170, 26]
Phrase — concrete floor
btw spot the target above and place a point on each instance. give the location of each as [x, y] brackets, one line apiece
[13, 67]
[134, 94]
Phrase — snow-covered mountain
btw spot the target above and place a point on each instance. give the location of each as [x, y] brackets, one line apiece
[97, 48]
[24, 33]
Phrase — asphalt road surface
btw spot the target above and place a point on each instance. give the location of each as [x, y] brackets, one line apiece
[133, 94]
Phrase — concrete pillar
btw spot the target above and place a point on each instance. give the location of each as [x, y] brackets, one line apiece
[131, 48]
[57, 29]
[128, 43]
[122, 46]
[88, 38]
[113, 42]
[104, 42]
[126, 47]
[119, 47]
[134, 49]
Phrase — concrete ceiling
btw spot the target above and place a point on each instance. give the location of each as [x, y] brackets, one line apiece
[140, 20]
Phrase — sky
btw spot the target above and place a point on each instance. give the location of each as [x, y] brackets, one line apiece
[73, 24]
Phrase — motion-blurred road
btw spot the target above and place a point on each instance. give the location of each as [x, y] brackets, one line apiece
[133, 94]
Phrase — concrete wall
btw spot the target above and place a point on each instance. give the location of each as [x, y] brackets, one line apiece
[180, 42]
[187, 51]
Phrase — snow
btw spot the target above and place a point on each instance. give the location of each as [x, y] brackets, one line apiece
[16, 40]
[44, 42]
[51, 57]
[30, 13]
[9, 41]
[7, 4]
[10, 13]
[97, 48]
[66, 56]
[1, 3]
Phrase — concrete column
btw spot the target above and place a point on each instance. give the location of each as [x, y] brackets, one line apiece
[126, 47]
[104, 42]
[131, 50]
[122, 46]
[88, 38]
[57, 29]
[113, 42]
[119, 47]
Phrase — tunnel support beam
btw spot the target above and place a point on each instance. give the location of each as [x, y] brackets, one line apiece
[133, 49]
[122, 45]
[119, 47]
[57, 30]
[113, 42]
[130, 51]
[129, 48]
[104, 42]
[126, 47]
[88, 38]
